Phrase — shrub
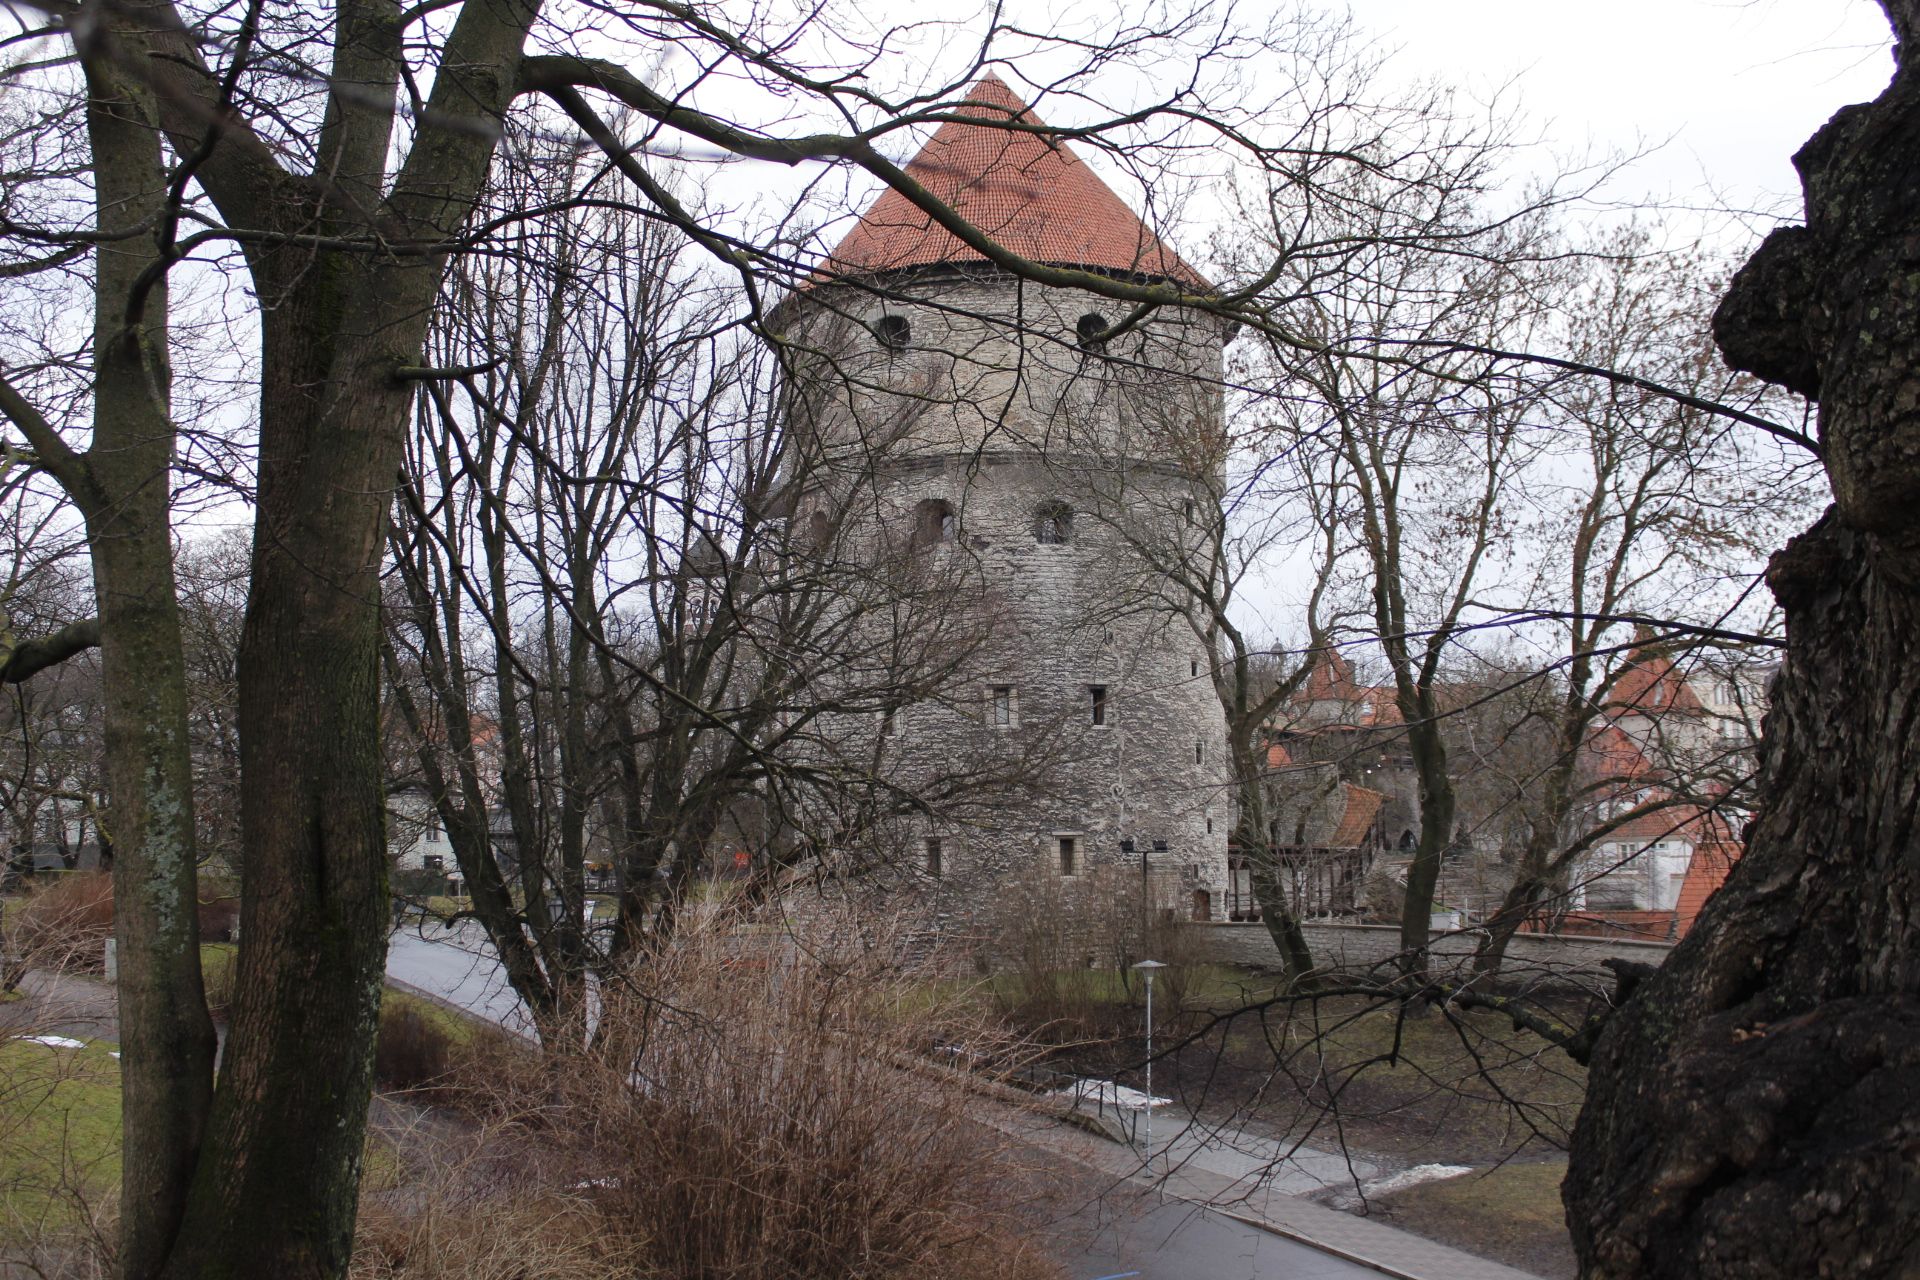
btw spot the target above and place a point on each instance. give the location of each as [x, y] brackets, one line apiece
[64, 924]
[730, 1124]
[414, 1048]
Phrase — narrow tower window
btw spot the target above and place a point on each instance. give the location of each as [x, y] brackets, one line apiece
[1097, 696]
[936, 857]
[1199, 753]
[1053, 524]
[1000, 706]
[933, 522]
[893, 332]
[1069, 849]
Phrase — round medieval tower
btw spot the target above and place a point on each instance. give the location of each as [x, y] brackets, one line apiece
[1057, 470]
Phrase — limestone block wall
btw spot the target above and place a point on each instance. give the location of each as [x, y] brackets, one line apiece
[994, 411]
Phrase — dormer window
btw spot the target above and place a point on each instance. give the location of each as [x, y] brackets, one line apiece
[934, 523]
[1090, 331]
[893, 332]
[1053, 525]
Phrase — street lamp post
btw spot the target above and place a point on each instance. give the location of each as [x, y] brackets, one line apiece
[1146, 969]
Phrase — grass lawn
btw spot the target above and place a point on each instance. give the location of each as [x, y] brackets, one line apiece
[59, 1134]
[459, 1028]
[1511, 1214]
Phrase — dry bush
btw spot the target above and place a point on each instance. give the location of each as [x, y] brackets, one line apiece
[1068, 946]
[412, 1050]
[740, 1123]
[481, 1203]
[63, 924]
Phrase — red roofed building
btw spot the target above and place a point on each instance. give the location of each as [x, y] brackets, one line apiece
[1005, 447]
[1026, 191]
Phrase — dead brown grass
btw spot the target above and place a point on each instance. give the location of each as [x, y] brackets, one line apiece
[739, 1122]
[63, 923]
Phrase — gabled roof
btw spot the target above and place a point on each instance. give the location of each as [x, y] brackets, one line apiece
[1363, 806]
[1689, 822]
[1027, 191]
[1612, 756]
[1650, 683]
[1330, 678]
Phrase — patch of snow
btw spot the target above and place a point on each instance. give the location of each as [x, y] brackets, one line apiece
[1413, 1177]
[56, 1042]
[1105, 1093]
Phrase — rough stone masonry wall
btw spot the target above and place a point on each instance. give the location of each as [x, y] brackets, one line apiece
[994, 411]
[1358, 947]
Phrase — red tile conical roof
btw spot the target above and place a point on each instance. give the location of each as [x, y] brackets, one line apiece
[1030, 193]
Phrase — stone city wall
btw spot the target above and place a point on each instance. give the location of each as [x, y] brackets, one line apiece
[1360, 946]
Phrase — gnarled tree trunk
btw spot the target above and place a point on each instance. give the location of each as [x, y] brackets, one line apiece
[1751, 1111]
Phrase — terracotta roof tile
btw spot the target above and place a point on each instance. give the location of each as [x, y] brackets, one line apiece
[1706, 871]
[1363, 805]
[1651, 683]
[1031, 194]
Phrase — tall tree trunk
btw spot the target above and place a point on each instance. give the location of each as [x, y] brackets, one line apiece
[166, 1036]
[1263, 872]
[1750, 1111]
[290, 1115]
[1437, 805]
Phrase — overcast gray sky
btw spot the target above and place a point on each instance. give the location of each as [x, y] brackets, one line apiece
[1732, 87]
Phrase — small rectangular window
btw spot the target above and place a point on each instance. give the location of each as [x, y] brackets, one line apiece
[436, 862]
[1097, 694]
[936, 857]
[889, 725]
[1199, 753]
[433, 828]
[1000, 705]
[1069, 855]
[1193, 668]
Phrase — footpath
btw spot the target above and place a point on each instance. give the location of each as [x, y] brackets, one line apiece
[1252, 1180]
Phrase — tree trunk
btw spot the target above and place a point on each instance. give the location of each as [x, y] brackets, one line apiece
[1522, 899]
[1437, 805]
[166, 1036]
[289, 1119]
[1750, 1111]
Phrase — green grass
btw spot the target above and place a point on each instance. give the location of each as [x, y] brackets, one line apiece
[59, 1133]
[459, 1028]
[60, 1136]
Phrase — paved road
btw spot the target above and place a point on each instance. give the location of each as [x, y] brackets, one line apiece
[457, 965]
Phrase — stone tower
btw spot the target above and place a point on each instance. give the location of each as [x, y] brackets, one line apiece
[995, 431]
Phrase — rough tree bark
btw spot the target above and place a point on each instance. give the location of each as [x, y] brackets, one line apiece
[166, 1036]
[1751, 1111]
[275, 1188]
